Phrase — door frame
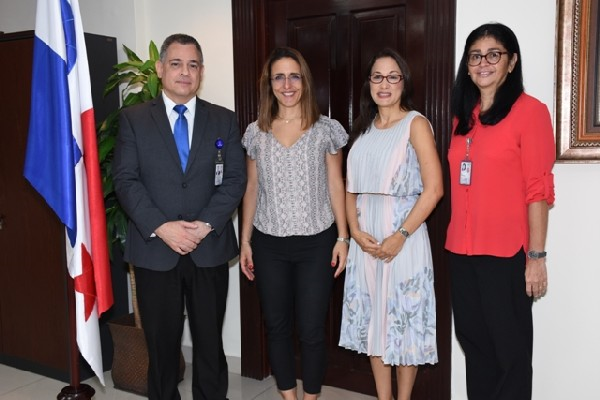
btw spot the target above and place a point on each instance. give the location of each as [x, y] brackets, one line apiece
[250, 36]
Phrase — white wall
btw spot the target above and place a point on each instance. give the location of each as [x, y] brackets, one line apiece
[567, 320]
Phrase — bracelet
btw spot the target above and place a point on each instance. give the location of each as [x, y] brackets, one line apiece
[403, 232]
[343, 239]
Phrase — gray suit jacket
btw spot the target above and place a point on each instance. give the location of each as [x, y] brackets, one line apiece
[152, 188]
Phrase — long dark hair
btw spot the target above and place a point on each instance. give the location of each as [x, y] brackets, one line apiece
[268, 107]
[466, 95]
[368, 107]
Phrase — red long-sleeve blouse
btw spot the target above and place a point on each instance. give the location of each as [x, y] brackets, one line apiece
[511, 168]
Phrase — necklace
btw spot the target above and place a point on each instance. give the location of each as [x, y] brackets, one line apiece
[287, 120]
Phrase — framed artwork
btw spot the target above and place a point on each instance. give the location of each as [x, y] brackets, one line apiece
[577, 98]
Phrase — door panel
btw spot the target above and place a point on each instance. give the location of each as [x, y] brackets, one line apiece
[34, 316]
[33, 307]
[338, 38]
[315, 38]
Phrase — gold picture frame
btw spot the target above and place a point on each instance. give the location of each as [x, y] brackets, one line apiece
[577, 99]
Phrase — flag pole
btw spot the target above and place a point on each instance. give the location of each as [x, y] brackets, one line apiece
[61, 163]
[76, 390]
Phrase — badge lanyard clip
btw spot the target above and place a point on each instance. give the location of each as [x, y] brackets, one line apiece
[466, 166]
[219, 163]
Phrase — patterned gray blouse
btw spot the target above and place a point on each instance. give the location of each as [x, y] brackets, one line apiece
[293, 194]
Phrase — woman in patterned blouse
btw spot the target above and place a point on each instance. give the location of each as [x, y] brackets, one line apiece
[294, 212]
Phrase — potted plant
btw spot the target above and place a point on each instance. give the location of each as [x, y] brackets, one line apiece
[139, 82]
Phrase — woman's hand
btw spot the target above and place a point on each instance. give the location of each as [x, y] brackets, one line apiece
[366, 242]
[536, 277]
[390, 247]
[246, 263]
[339, 257]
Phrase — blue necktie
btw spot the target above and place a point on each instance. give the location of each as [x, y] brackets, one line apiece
[181, 135]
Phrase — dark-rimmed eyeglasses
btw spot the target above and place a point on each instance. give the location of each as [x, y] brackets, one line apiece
[393, 78]
[280, 79]
[493, 57]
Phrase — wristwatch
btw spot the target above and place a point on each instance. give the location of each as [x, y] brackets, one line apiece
[343, 239]
[534, 255]
[403, 232]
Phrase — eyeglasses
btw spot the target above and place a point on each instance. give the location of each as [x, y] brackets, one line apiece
[393, 79]
[280, 79]
[493, 57]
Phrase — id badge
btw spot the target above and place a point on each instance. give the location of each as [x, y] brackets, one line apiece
[218, 173]
[219, 163]
[465, 172]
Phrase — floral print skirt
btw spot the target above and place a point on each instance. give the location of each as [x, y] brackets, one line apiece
[389, 308]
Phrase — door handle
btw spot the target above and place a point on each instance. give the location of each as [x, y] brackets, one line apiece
[1, 221]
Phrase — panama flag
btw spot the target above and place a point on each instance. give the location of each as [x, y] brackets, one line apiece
[62, 162]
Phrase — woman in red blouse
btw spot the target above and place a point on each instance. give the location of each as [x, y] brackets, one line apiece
[500, 158]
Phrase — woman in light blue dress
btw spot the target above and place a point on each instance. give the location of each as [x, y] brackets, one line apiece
[394, 182]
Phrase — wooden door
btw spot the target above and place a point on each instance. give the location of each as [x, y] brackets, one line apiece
[33, 275]
[33, 304]
[338, 38]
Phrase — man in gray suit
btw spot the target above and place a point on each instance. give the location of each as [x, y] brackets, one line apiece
[179, 173]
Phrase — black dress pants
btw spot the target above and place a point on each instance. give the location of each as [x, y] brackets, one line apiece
[493, 323]
[294, 278]
[161, 297]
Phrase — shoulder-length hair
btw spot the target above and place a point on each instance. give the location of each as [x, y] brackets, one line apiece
[368, 107]
[268, 108]
[466, 95]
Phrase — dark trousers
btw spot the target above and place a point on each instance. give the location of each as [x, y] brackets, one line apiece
[493, 323]
[294, 277]
[161, 297]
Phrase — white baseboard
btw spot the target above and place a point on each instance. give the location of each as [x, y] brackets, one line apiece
[234, 364]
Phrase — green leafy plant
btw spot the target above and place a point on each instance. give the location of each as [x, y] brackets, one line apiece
[138, 82]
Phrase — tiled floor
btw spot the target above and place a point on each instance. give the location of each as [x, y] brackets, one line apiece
[23, 385]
